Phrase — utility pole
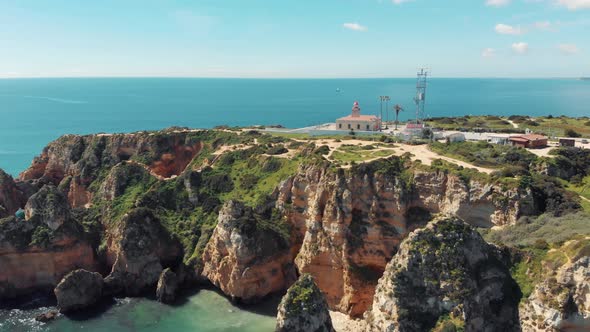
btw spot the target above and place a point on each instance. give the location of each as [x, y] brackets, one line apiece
[387, 99]
[384, 99]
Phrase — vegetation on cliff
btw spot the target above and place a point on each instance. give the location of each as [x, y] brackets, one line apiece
[542, 245]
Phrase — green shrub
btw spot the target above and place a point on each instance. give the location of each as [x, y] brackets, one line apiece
[572, 133]
[277, 150]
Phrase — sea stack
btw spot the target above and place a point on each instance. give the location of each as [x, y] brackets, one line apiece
[436, 281]
[304, 308]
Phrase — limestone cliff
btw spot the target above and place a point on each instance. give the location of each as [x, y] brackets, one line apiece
[138, 247]
[347, 225]
[11, 198]
[75, 161]
[35, 256]
[562, 301]
[49, 206]
[442, 269]
[246, 258]
[148, 208]
[304, 309]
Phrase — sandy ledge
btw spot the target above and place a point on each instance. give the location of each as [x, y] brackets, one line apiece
[343, 323]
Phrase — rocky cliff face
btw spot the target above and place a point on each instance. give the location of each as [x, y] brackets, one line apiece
[304, 309]
[561, 302]
[246, 259]
[48, 206]
[478, 203]
[445, 268]
[34, 256]
[138, 247]
[340, 226]
[74, 162]
[348, 225]
[11, 198]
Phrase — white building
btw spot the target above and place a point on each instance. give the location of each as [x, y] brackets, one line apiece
[356, 121]
[456, 137]
[499, 139]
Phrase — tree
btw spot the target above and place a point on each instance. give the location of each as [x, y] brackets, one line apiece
[397, 109]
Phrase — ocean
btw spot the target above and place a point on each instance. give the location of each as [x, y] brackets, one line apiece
[35, 111]
[204, 311]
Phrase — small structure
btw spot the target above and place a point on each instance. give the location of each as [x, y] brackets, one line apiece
[567, 142]
[499, 139]
[529, 141]
[455, 138]
[356, 121]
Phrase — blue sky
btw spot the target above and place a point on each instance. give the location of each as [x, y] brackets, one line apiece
[295, 38]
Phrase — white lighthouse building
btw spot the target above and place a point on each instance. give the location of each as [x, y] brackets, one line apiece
[356, 121]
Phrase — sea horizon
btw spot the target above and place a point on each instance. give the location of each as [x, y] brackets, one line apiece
[298, 78]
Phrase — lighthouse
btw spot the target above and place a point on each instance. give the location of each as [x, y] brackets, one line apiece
[358, 122]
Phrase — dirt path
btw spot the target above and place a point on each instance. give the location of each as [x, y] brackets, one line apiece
[544, 152]
[515, 125]
[419, 152]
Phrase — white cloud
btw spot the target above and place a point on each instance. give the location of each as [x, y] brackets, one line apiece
[568, 49]
[488, 52]
[497, 3]
[399, 2]
[520, 48]
[355, 27]
[505, 29]
[574, 4]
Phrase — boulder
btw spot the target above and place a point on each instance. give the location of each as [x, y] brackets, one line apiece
[47, 316]
[79, 289]
[304, 308]
[446, 276]
[167, 286]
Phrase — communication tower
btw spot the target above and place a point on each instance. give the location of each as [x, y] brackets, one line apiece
[420, 99]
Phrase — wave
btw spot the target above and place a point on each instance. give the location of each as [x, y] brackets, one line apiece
[53, 99]
[57, 100]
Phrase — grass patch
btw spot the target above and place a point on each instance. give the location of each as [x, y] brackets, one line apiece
[546, 243]
[481, 122]
[545, 227]
[557, 126]
[484, 154]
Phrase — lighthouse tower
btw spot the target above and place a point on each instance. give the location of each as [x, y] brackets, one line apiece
[356, 110]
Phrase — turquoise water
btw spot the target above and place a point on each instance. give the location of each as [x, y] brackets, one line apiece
[36, 111]
[206, 311]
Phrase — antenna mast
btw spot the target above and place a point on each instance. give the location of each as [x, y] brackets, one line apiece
[420, 98]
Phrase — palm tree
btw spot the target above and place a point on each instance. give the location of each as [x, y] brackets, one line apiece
[397, 109]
